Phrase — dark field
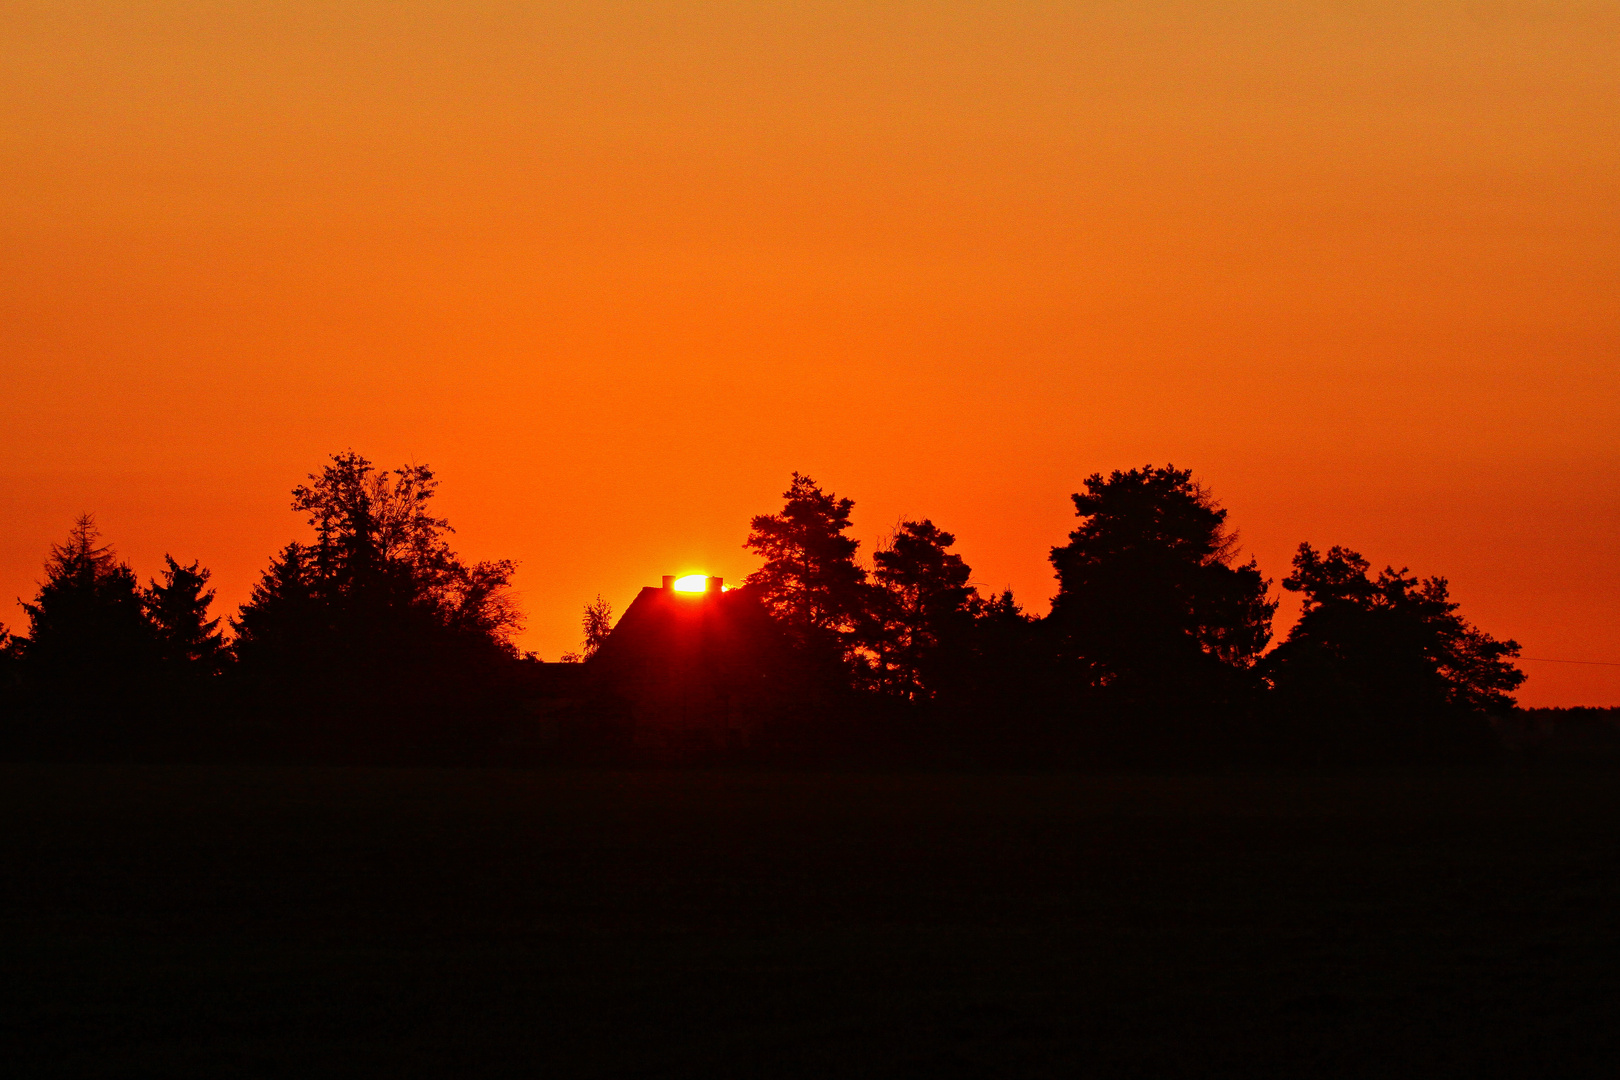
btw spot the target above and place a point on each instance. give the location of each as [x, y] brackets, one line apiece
[299, 921]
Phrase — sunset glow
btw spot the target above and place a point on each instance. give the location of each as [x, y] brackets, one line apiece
[1155, 466]
[616, 269]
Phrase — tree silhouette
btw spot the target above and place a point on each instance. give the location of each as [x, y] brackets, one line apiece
[810, 581]
[1150, 602]
[1390, 648]
[377, 549]
[924, 607]
[284, 623]
[10, 680]
[87, 619]
[177, 607]
[1007, 656]
[373, 638]
[597, 624]
[377, 616]
[373, 533]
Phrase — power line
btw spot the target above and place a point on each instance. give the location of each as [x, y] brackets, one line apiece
[1550, 660]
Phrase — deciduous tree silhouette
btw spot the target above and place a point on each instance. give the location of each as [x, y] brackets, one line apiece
[373, 531]
[810, 582]
[378, 614]
[597, 624]
[1151, 603]
[377, 546]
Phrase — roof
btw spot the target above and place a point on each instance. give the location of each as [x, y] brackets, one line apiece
[697, 660]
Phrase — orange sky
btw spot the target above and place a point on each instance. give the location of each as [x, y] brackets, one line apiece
[616, 269]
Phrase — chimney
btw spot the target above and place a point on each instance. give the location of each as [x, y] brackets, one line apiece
[669, 581]
[715, 584]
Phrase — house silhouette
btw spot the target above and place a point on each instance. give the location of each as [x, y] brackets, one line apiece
[698, 670]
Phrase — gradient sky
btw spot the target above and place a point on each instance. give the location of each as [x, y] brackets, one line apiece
[616, 269]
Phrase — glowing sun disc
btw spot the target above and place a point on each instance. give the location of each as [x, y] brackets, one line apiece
[692, 583]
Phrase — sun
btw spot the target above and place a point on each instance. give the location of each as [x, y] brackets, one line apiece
[692, 583]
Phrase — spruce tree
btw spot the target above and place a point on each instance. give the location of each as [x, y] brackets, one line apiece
[88, 630]
[187, 639]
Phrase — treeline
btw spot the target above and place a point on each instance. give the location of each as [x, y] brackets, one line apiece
[1157, 645]
[375, 641]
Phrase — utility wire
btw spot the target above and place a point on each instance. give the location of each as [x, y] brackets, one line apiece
[1549, 660]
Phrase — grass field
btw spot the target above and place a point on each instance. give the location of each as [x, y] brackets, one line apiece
[252, 921]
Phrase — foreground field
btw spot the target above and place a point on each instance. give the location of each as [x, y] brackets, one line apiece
[304, 922]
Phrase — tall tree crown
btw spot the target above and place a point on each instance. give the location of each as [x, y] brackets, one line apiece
[1147, 583]
[88, 613]
[921, 572]
[178, 609]
[1147, 509]
[810, 581]
[364, 516]
[379, 556]
[924, 607]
